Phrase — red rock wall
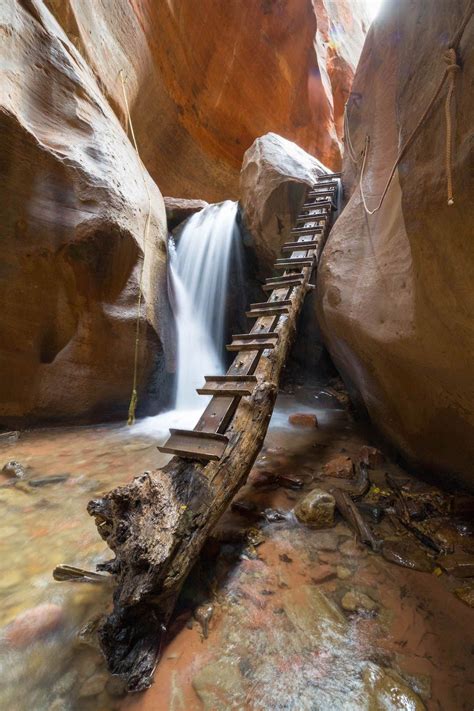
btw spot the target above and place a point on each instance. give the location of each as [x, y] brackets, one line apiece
[206, 78]
[396, 289]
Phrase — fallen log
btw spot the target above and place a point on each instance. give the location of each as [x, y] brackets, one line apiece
[157, 524]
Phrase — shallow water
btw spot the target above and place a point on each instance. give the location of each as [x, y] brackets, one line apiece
[279, 637]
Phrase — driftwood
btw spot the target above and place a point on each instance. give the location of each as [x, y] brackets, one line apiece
[157, 525]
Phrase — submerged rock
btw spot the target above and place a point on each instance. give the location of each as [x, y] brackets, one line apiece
[13, 470]
[384, 689]
[340, 467]
[316, 509]
[371, 457]
[303, 419]
[356, 601]
[406, 553]
[33, 624]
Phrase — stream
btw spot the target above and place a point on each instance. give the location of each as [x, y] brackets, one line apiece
[416, 640]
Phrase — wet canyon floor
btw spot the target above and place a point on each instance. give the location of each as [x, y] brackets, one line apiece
[276, 615]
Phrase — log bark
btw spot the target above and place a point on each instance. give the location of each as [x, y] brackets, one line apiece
[157, 524]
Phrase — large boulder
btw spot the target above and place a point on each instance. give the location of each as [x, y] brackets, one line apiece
[275, 176]
[396, 295]
[73, 206]
[206, 78]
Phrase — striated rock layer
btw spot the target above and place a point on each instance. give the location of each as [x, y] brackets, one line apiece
[396, 297]
[205, 79]
[73, 206]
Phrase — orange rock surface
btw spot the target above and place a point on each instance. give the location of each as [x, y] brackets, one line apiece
[73, 207]
[396, 292]
[205, 79]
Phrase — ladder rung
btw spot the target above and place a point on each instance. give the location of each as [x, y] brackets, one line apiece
[255, 335]
[191, 444]
[259, 342]
[228, 385]
[263, 304]
[298, 263]
[300, 246]
[307, 230]
[275, 310]
[329, 176]
[279, 279]
[310, 217]
[290, 281]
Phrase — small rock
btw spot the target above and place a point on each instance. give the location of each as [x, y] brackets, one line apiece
[322, 573]
[384, 689]
[93, 686]
[356, 601]
[303, 419]
[14, 470]
[466, 595]
[371, 457]
[341, 467]
[34, 624]
[316, 509]
[343, 573]
[203, 615]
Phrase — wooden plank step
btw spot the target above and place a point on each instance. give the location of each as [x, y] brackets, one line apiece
[329, 176]
[255, 336]
[311, 217]
[276, 281]
[295, 260]
[311, 206]
[317, 204]
[263, 304]
[257, 343]
[308, 230]
[290, 281]
[273, 310]
[297, 246]
[298, 263]
[227, 385]
[322, 192]
[190, 444]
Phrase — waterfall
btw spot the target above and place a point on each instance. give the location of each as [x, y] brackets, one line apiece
[199, 269]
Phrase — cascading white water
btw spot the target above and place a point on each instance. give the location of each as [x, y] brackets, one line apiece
[199, 268]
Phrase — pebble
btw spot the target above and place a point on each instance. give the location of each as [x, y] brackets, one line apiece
[14, 470]
[322, 573]
[34, 624]
[303, 419]
[340, 467]
[355, 601]
[343, 573]
[371, 457]
[316, 509]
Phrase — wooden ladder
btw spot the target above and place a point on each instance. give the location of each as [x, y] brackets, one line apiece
[208, 441]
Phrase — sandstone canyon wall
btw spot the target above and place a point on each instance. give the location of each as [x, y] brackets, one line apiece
[72, 211]
[396, 288]
[207, 78]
